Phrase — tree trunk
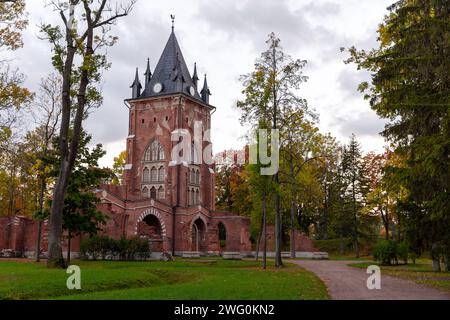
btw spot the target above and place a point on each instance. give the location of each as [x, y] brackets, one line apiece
[41, 208]
[264, 233]
[55, 258]
[258, 241]
[385, 219]
[435, 257]
[38, 241]
[292, 230]
[447, 261]
[355, 222]
[278, 261]
[69, 238]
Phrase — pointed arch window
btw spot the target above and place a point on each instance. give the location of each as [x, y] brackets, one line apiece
[153, 193]
[146, 175]
[145, 192]
[194, 155]
[161, 193]
[192, 196]
[197, 177]
[161, 173]
[189, 197]
[197, 197]
[153, 174]
[154, 152]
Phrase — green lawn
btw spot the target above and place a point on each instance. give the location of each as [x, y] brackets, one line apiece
[421, 273]
[181, 279]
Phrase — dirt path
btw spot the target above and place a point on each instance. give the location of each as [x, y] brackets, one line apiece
[346, 283]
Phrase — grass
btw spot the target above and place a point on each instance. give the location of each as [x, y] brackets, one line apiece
[181, 279]
[421, 273]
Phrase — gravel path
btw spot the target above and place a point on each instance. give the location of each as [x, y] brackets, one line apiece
[346, 283]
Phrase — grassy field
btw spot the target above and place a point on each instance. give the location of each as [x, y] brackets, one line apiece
[181, 279]
[421, 273]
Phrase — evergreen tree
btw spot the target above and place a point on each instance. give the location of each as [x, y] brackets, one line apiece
[411, 87]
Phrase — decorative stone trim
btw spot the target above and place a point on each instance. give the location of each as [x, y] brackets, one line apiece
[152, 211]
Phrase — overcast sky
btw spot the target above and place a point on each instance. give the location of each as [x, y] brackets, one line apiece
[225, 38]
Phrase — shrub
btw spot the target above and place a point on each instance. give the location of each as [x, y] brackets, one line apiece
[385, 252]
[125, 248]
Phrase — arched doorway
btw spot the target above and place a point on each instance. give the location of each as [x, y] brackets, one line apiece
[222, 236]
[198, 235]
[151, 229]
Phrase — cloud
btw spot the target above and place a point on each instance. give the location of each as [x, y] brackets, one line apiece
[322, 9]
[364, 124]
[225, 38]
[349, 79]
[253, 20]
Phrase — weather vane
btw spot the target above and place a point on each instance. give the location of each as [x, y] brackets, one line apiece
[172, 16]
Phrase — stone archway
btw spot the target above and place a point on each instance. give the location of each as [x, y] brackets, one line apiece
[222, 236]
[198, 235]
[151, 226]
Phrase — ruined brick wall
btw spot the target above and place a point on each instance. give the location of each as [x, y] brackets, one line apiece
[302, 241]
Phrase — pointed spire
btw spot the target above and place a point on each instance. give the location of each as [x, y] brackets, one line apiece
[148, 74]
[172, 16]
[136, 86]
[195, 76]
[205, 92]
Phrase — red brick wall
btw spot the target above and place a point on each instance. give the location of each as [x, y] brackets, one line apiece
[302, 241]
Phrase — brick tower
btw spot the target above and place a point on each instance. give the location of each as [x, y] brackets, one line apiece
[167, 193]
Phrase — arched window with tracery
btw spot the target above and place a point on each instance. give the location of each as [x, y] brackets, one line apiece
[153, 193]
[147, 155]
[197, 197]
[194, 155]
[154, 174]
[192, 196]
[197, 177]
[161, 193]
[161, 173]
[145, 192]
[146, 175]
[154, 152]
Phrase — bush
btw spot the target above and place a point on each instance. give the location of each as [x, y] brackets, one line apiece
[386, 252]
[124, 249]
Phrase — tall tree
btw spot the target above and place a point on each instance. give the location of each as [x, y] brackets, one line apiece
[301, 144]
[410, 86]
[80, 214]
[356, 187]
[269, 96]
[82, 36]
[46, 111]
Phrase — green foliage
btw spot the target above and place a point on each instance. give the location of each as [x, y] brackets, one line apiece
[403, 251]
[410, 87]
[102, 247]
[388, 251]
[80, 214]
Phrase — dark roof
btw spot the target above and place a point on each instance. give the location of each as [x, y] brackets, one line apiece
[171, 71]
